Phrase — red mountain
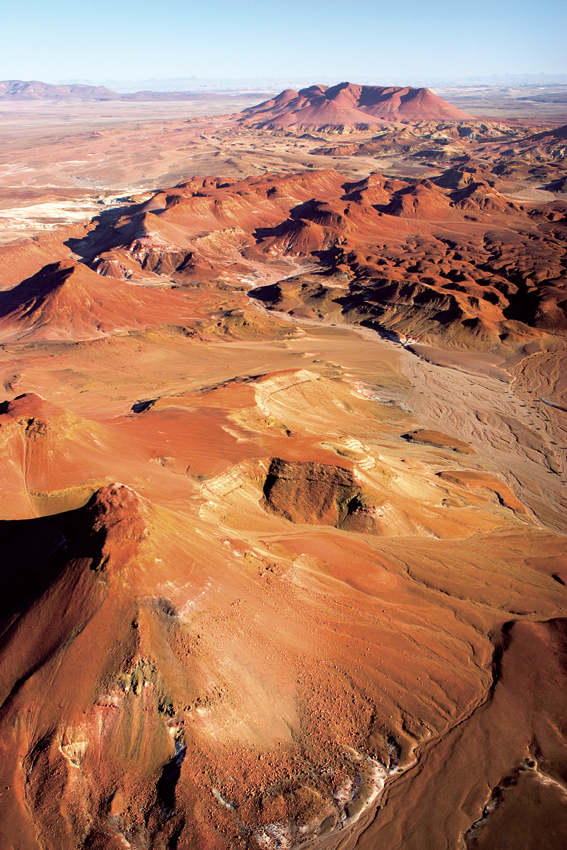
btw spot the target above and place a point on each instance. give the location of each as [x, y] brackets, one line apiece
[350, 104]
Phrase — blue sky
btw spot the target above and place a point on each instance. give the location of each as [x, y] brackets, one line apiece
[52, 40]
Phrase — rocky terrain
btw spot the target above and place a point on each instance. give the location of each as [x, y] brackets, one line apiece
[282, 453]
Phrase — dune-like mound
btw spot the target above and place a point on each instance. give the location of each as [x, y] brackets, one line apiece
[69, 301]
[424, 201]
[437, 438]
[347, 104]
[32, 433]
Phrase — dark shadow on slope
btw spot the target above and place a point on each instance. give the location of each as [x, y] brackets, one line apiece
[169, 778]
[33, 291]
[106, 235]
[35, 552]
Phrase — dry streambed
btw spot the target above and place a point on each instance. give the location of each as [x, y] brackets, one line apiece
[513, 432]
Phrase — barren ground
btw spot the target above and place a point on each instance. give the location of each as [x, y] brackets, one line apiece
[283, 469]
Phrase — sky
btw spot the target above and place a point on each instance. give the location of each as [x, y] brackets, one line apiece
[323, 40]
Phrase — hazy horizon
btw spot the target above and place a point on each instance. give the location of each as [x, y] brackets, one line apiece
[370, 40]
[265, 84]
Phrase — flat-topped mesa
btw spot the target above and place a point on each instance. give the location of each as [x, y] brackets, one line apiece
[312, 492]
[348, 104]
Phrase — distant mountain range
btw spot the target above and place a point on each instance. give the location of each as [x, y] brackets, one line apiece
[279, 83]
[21, 90]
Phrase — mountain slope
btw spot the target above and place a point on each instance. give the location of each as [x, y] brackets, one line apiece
[67, 300]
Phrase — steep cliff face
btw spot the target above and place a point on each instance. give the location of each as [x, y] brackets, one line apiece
[67, 631]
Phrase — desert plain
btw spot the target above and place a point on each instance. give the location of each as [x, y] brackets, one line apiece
[283, 465]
